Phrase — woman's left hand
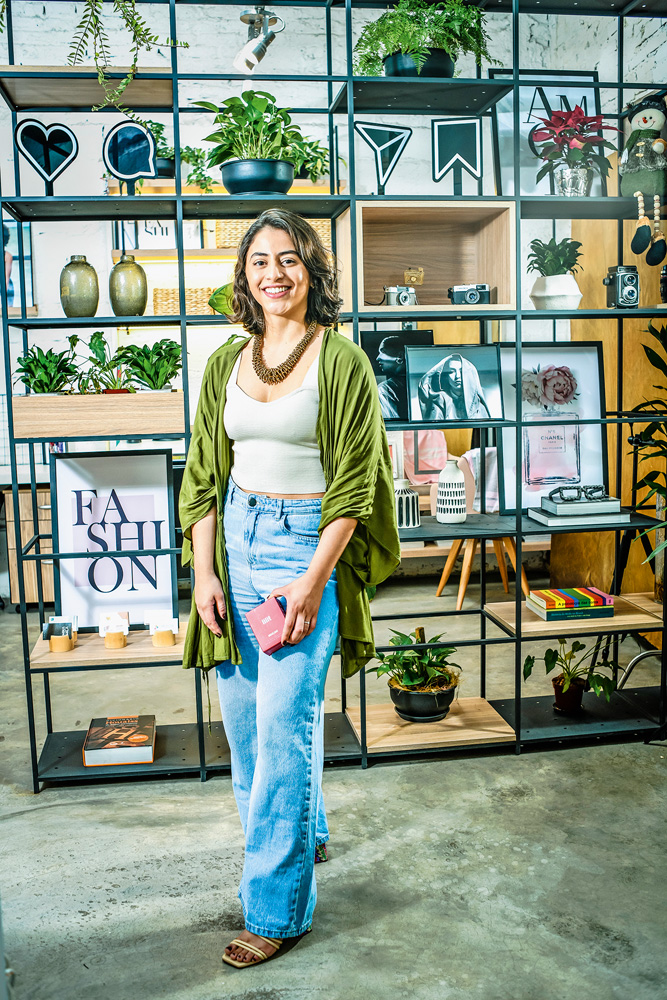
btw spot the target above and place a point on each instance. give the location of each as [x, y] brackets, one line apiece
[303, 604]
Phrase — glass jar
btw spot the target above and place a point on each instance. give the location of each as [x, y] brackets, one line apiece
[551, 452]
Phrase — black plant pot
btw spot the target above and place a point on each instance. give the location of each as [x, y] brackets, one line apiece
[438, 63]
[421, 706]
[165, 167]
[258, 176]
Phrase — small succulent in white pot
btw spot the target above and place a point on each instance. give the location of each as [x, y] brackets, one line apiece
[556, 287]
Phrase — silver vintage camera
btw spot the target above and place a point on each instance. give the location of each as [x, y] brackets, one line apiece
[622, 287]
[400, 295]
[469, 295]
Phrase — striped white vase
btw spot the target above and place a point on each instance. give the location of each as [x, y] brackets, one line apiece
[407, 504]
[451, 502]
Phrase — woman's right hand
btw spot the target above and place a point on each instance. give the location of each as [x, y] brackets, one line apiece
[209, 598]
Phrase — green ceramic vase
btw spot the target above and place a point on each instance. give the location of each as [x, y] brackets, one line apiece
[79, 287]
[128, 288]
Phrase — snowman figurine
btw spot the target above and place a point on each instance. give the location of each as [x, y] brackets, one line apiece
[643, 170]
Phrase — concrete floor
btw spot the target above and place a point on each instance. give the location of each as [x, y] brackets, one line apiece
[536, 877]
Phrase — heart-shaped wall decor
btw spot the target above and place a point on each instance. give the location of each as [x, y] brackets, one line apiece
[49, 148]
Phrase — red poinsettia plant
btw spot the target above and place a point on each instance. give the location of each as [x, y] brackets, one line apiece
[572, 139]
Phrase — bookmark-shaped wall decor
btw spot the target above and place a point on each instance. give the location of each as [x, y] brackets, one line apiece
[457, 147]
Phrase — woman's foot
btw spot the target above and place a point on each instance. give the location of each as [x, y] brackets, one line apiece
[321, 854]
[248, 955]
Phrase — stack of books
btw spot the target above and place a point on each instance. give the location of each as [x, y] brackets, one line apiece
[570, 605]
[579, 513]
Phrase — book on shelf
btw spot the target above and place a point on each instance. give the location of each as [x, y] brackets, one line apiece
[555, 599]
[577, 508]
[120, 739]
[584, 520]
[571, 614]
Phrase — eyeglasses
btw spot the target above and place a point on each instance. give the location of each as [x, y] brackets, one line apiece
[566, 494]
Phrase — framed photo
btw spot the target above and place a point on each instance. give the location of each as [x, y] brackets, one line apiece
[541, 92]
[386, 351]
[563, 382]
[104, 503]
[447, 382]
[154, 234]
[11, 245]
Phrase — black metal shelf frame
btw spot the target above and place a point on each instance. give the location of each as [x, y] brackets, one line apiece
[532, 719]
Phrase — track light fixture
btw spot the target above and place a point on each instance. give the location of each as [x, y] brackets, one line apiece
[260, 23]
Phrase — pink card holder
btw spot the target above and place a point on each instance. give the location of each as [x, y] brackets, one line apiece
[267, 622]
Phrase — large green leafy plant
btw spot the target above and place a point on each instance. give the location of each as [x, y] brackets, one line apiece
[415, 26]
[154, 366]
[425, 670]
[554, 258]
[252, 127]
[576, 670]
[48, 371]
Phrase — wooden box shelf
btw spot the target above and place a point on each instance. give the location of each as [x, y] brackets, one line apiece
[470, 722]
[456, 242]
[54, 417]
[628, 617]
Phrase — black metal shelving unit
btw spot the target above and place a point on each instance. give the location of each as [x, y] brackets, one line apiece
[190, 748]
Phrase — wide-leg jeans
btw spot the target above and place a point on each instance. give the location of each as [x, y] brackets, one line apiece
[273, 713]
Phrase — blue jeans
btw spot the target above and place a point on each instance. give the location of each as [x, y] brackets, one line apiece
[273, 713]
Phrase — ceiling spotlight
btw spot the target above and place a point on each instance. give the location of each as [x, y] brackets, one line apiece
[260, 23]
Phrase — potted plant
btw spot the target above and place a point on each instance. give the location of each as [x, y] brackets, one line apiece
[576, 675]
[255, 144]
[105, 373]
[48, 371]
[422, 682]
[165, 160]
[418, 37]
[153, 367]
[572, 150]
[311, 160]
[556, 287]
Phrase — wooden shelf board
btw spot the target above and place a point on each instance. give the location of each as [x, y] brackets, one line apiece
[77, 87]
[189, 255]
[422, 95]
[628, 617]
[58, 417]
[90, 651]
[470, 722]
[422, 309]
[646, 603]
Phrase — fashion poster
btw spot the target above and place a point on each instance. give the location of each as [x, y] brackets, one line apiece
[560, 382]
[105, 504]
[448, 382]
[386, 352]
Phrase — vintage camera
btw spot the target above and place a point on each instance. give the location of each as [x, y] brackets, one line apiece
[469, 295]
[400, 295]
[622, 287]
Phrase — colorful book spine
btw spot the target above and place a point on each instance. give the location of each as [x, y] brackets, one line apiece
[575, 597]
[571, 614]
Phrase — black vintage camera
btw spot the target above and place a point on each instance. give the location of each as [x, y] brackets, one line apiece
[622, 287]
[469, 295]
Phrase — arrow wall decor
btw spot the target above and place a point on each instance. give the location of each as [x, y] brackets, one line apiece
[388, 143]
[457, 145]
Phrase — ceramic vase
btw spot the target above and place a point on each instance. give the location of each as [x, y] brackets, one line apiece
[555, 291]
[128, 288]
[407, 504]
[79, 287]
[451, 501]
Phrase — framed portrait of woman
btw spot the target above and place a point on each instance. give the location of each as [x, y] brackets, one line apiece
[454, 382]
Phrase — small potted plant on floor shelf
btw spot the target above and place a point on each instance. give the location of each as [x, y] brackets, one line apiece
[105, 372]
[422, 682]
[417, 37]
[577, 674]
[153, 367]
[48, 371]
[556, 288]
[256, 144]
[572, 150]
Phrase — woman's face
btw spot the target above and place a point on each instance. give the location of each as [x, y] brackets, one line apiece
[277, 277]
[452, 377]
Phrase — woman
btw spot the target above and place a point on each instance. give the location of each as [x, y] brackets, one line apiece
[287, 491]
[451, 390]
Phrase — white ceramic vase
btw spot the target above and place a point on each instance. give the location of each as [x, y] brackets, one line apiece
[407, 504]
[451, 502]
[556, 291]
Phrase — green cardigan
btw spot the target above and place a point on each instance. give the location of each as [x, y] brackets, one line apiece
[359, 483]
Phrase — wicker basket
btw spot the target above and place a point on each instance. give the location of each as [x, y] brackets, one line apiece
[165, 301]
[230, 232]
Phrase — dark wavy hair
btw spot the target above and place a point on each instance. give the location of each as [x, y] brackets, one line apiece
[323, 301]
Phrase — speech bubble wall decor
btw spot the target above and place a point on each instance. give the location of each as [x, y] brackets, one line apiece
[129, 153]
[48, 148]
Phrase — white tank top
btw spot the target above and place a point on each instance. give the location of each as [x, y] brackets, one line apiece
[275, 444]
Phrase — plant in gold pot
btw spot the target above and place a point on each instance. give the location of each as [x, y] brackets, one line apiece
[422, 682]
[577, 674]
